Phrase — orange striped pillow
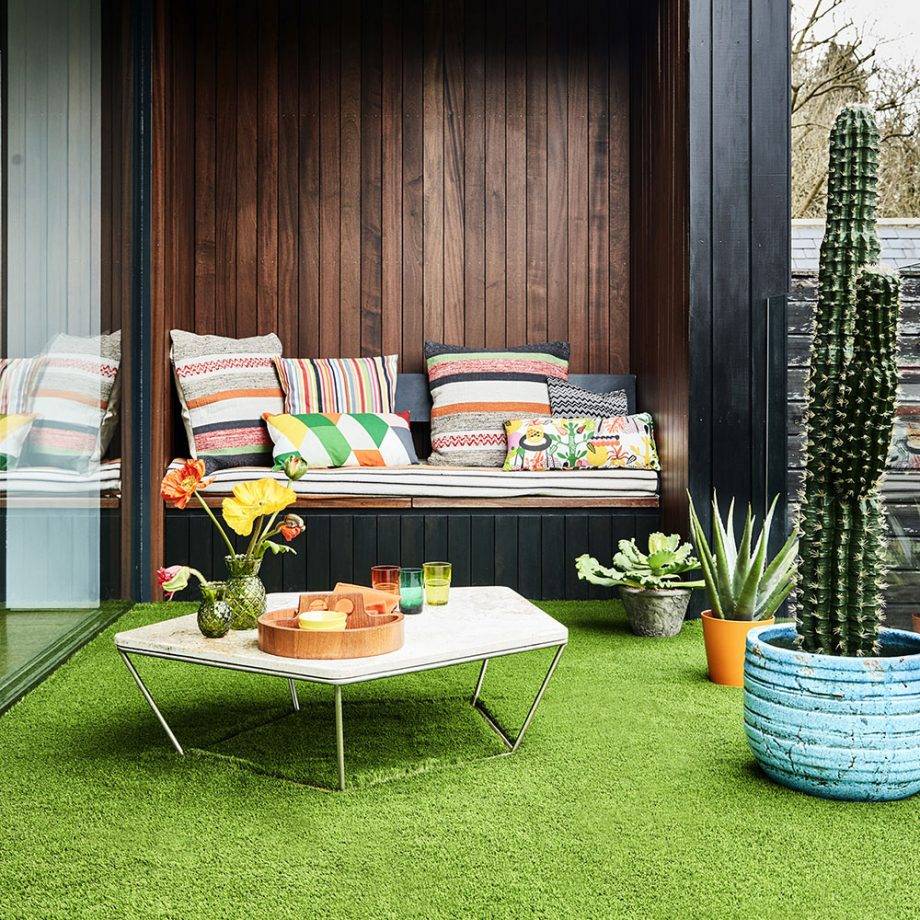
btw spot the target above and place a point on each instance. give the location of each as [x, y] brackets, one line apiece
[348, 385]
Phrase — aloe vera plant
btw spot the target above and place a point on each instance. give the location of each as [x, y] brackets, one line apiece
[658, 569]
[740, 582]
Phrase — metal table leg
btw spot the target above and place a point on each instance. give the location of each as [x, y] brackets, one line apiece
[295, 702]
[146, 693]
[513, 743]
[339, 737]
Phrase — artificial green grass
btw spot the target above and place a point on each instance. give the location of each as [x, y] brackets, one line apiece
[633, 795]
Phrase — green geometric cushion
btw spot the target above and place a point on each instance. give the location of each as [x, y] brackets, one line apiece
[332, 439]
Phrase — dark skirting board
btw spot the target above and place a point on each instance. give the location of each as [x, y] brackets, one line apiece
[531, 552]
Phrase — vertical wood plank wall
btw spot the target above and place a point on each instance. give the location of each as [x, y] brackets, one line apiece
[362, 176]
[660, 275]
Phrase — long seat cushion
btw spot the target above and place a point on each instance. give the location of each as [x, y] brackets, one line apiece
[101, 477]
[424, 481]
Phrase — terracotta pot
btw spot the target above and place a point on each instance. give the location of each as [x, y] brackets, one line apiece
[725, 647]
[916, 621]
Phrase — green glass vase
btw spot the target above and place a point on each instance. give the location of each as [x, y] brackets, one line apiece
[214, 614]
[245, 592]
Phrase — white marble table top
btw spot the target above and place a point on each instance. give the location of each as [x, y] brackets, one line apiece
[477, 623]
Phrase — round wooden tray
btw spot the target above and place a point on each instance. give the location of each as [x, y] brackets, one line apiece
[365, 635]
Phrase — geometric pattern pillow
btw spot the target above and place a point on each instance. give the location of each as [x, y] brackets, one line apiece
[582, 443]
[338, 384]
[13, 432]
[332, 439]
[475, 391]
[568, 400]
[225, 386]
[73, 401]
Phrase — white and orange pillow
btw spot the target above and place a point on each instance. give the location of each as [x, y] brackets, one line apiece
[474, 391]
[225, 386]
[75, 401]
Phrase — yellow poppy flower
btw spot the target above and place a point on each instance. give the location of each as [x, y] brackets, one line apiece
[253, 499]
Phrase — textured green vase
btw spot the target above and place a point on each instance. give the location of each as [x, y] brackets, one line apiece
[852, 391]
[214, 612]
[245, 592]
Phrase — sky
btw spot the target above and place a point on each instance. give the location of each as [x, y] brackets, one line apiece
[897, 22]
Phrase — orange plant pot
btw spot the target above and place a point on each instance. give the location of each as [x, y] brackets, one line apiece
[724, 641]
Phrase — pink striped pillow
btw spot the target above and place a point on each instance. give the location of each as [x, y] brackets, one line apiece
[348, 385]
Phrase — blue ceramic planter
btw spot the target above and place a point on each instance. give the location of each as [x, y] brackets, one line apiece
[842, 728]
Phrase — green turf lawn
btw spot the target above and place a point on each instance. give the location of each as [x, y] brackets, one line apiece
[633, 795]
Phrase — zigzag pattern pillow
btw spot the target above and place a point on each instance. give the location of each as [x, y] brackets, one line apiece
[474, 392]
[332, 439]
[225, 386]
[568, 400]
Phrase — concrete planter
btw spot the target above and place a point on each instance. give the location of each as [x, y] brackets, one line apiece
[842, 728]
[655, 613]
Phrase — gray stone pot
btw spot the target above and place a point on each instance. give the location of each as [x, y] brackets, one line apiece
[655, 613]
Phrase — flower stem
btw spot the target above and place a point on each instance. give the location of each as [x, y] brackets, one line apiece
[220, 529]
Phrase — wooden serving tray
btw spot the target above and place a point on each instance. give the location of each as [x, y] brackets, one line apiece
[366, 633]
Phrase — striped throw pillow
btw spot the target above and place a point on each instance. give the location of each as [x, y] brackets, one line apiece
[225, 386]
[331, 439]
[474, 392]
[338, 384]
[75, 395]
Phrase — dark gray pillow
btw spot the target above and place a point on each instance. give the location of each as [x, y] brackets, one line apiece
[567, 400]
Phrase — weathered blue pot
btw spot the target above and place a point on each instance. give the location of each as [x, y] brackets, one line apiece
[842, 728]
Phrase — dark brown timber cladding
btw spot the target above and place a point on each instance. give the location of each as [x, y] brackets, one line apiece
[362, 176]
[660, 277]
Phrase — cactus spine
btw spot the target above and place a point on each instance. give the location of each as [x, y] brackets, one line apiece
[852, 389]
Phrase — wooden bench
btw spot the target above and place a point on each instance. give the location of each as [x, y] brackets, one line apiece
[528, 544]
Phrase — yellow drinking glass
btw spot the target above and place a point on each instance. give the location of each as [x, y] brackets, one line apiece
[437, 583]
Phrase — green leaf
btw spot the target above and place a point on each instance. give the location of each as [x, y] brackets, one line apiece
[707, 563]
[722, 571]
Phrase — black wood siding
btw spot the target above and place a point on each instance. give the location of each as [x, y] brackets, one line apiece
[739, 247]
[530, 551]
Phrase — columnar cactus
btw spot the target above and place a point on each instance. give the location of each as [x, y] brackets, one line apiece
[852, 390]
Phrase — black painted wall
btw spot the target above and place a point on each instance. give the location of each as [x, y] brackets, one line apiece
[529, 551]
[739, 247]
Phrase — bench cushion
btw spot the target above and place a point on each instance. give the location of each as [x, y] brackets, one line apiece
[457, 482]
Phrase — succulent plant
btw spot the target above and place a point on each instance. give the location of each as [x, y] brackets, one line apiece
[851, 395]
[658, 569]
[741, 584]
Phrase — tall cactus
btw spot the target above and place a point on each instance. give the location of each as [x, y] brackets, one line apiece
[852, 390]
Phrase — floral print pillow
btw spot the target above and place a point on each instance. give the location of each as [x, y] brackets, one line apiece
[622, 441]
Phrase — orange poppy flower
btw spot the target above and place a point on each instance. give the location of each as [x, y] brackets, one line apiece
[180, 485]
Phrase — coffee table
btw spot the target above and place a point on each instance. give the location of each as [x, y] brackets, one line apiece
[478, 624]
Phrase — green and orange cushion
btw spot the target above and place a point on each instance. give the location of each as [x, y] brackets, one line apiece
[225, 386]
[332, 439]
[14, 429]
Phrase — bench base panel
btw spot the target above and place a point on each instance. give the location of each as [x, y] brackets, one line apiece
[533, 553]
